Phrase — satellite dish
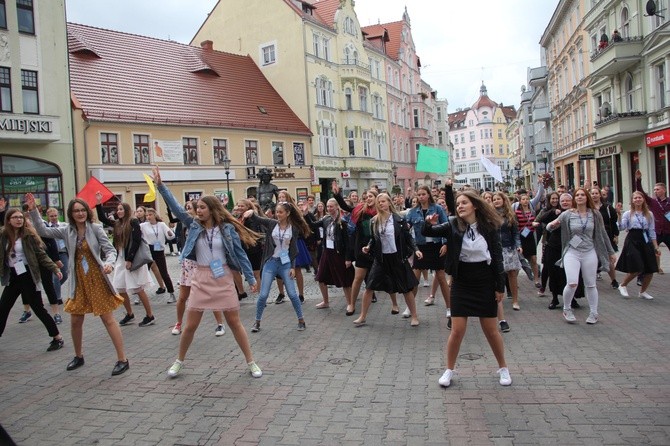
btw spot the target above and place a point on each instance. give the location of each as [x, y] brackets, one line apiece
[651, 9]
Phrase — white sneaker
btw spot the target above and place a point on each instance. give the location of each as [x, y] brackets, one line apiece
[623, 290]
[175, 369]
[505, 378]
[171, 299]
[448, 312]
[220, 330]
[430, 301]
[599, 277]
[592, 319]
[406, 314]
[425, 283]
[569, 316]
[255, 370]
[445, 379]
[646, 296]
[136, 300]
[177, 329]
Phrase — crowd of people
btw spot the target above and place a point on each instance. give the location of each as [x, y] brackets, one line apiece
[475, 243]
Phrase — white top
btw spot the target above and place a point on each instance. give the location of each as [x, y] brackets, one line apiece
[209, 246]
[282, 239]
[17, 255]
[474, 248]
[387, 236]
[160, 232]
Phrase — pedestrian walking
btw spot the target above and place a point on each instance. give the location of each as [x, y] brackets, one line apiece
[156, 233]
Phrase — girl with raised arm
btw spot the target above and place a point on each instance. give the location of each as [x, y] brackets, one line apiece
[88, 290]
[214, 240]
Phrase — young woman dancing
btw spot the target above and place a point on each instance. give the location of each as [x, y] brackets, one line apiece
[88, 290]
[215, 240]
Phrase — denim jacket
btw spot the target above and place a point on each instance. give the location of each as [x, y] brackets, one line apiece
[416, 219]
[236, 257]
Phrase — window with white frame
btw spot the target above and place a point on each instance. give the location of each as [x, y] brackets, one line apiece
[268, 54]
[141, 149]
[377, 106]
[363, 98]
[625, 23]
[349, 26]
[251, 152]
[380, 141]
[473, 151]
[5, 90]
[316, 45]
[415, 114]
[628, 92]
[439, 137]
[439, 113]
[351, 142]
[347, 98]
[501, 149]
[659, 77]
[392, 112]
[324, 93]
[326, 48]
[367, 142]
[661, 13]
[472, 136]
[327, 141]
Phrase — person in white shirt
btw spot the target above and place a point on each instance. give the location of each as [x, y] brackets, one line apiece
[156, 233]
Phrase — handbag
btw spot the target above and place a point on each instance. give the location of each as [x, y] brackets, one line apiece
[142, 256]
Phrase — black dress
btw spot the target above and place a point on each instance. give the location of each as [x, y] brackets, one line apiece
[637, 255]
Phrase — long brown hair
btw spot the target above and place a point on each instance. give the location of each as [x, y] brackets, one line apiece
[220, 215]
[431, 200]
[122, 228]
[488, 219]
[645, 208]
[26, 230]
[589, 201]
[70, 213]
[507, 212]
[295, 217]
[361, 207]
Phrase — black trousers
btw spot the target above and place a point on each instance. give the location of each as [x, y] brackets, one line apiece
[23, 285]
[159, 260]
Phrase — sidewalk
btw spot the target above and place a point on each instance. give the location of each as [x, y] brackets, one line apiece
[337, 384]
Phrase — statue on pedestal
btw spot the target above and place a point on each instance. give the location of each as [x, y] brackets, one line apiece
[267, 192]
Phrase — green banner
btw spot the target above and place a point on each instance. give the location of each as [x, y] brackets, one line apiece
[432, 160]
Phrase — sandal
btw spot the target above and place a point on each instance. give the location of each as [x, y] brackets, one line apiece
[322, 305]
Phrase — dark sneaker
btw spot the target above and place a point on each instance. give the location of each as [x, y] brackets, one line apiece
[55, 344]
[374, 297]
[301, 326]
[25, 317]
[615, 284]
[280, 299]
[257, 327]
[242, 296]
[160, 290]
[127, 319]
[77, 362]
[302, 298]
[449, 323]
[639, 282]
[146, 322]
[504, 326]
[58, 319]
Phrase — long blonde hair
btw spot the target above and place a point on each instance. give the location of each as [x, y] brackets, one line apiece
[507, 212]
[645, 208]
[377, 219]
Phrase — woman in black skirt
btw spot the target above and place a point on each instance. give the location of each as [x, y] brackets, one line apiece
[335, 266]
[390, 247]
[640, 248]
[475, 263]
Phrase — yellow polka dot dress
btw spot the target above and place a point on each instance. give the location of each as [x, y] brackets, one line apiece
[92, 292]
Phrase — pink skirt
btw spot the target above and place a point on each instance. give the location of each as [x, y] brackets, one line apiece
[187, 268]
[208, 293]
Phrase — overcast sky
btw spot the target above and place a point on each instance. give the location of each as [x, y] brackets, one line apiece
[460, 43]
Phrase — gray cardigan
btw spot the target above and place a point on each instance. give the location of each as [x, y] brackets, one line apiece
[600, 239]
[95, 237]
[269, 245]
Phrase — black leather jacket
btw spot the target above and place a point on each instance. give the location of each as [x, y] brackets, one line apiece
[454, 243]
[340, 233]
[404, 241]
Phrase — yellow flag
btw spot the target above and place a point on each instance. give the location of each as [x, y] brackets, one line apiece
[151, 196]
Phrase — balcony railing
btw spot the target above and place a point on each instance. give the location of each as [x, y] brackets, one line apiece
[616, 57]
[617, 125]
[356, 62]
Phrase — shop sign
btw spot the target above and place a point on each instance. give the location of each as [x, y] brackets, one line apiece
[588, 154]
[614, 149]
[26, 126]
[660, 138]
[282, 173]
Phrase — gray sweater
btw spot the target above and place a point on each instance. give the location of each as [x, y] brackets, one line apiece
[600, 239]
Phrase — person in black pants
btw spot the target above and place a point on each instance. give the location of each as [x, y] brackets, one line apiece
[21, 255]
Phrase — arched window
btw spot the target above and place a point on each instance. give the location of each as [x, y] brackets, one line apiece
[628, 89]
[324, 94]
[625, 23]
[21, 175]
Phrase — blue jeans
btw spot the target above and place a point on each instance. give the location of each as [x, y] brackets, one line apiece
[57, 283]
[273, 268]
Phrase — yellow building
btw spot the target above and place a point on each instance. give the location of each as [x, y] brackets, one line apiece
[139, 101]
[36, 153]
[317, 58]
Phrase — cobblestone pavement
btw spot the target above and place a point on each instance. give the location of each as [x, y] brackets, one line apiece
[337, 384]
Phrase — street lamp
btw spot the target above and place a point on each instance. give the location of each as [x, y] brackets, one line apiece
[394, 168]
[545, 155]
[226, 165]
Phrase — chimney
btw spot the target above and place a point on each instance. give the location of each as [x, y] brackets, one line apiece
[207, 45]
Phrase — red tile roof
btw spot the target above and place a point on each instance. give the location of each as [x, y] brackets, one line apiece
[395, 38]
[120, 77]
[457, 118]
[325, 10]
[484, 101]
[508, 111]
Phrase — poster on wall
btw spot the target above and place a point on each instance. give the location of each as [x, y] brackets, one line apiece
[164, 151]
[299, 153]
[301, 193]
[188, 196]
[277, 153]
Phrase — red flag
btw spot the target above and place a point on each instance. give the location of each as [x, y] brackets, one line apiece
[92, 186]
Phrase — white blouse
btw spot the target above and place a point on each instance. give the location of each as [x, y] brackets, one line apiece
[474, 248]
